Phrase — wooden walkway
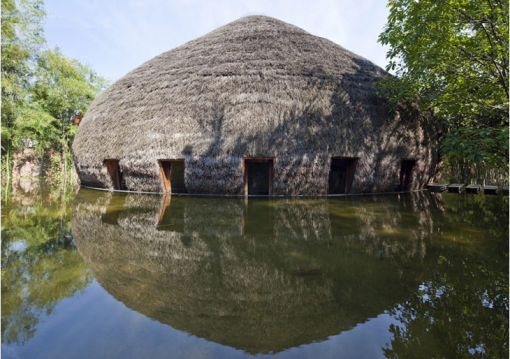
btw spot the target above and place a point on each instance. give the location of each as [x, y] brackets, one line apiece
[490, 189]
[437, 187]
[456, 188]
[470, 189]
[474, 188]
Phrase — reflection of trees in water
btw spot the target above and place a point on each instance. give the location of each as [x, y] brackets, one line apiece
[392, 228]
[40, 265]
[461, 310]
[315, 274]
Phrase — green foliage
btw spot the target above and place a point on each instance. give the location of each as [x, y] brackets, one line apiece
[21, 39]
[478, 144]
[63, 89]
[42, 90]
[35, 124]
[453, 55]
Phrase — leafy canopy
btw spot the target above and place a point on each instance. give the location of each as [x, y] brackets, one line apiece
[21, 39]
[453, 55]
[42, 90]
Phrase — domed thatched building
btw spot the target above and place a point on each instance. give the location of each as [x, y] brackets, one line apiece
[257, 106]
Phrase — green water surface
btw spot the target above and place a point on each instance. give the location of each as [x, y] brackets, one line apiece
[105, 275]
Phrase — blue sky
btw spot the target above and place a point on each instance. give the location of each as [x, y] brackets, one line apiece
[116, 36]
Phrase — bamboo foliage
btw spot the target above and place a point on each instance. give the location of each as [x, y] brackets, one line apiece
[42, 90]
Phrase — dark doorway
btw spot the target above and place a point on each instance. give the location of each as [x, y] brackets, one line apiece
[406, 173]
[258, 176]
[341, 175]
[116, 174]
[172, 172]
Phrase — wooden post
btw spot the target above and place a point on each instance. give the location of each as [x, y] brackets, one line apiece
[165, 168]
[245, 177]
[113, 169]
[271, 176]
[351, 169]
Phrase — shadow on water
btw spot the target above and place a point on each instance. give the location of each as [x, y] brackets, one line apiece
[265, 275]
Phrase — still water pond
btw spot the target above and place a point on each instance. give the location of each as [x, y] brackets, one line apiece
[102, 275]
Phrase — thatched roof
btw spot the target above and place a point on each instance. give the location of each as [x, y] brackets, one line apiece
[255, 87]
[300, 284]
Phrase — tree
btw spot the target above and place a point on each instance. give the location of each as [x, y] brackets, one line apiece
[63, 89]
[453, 55]
[42, 90]
[22, 37]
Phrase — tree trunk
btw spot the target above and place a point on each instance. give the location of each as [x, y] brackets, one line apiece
[8, 170]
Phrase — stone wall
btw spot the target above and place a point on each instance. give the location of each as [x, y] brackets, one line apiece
[29, 166]
[26, 162]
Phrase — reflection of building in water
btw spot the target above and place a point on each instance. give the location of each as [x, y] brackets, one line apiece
[258, 217]
[261, 276]
[112, 211]
[171, 217]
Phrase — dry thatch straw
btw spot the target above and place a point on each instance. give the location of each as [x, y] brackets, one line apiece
[257, 87]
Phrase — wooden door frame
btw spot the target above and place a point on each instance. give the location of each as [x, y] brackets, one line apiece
[167, 183]
[270, 160]
[113, 168]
